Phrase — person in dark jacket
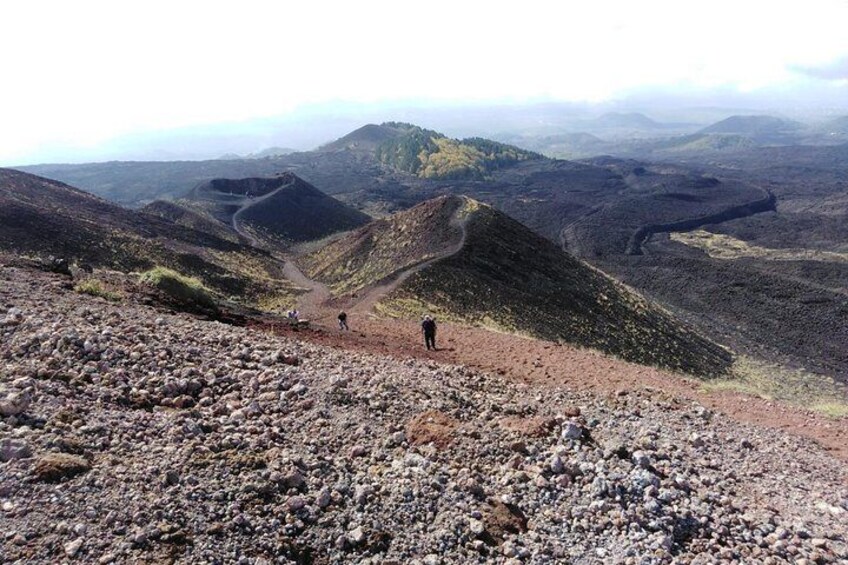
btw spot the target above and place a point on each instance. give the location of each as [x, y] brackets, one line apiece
[343, 321]
[428, 327]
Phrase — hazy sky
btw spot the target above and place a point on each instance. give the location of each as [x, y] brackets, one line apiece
[77, 73]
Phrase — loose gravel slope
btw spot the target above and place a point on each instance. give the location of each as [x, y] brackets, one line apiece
[130, 435]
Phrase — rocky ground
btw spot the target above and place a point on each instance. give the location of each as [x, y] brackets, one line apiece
[129, 434]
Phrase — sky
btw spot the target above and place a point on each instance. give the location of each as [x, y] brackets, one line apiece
[81, 74]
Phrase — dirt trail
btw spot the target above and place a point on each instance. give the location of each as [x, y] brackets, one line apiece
[314, 304]
[247, 203]
[319, 305]
[545, 364]
[535, 362]
[372, 296]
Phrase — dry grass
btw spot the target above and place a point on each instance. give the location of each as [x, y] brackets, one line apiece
[833, 410]
[95, 287]
[721, 246]
[793, 386]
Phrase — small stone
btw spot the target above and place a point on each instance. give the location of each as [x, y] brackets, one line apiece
[324, 498]
[295, 503]
[171, 478]
[14, 404]
[476, 526]
[294, 479]
[361, 493]
[396, 439]
[73, 547]
[358, 451]
[356, 535]
[13, 449]
[556, 465]
[183, 401]
[53, 467]
[572, 431]
[508, 549]
[819, 542]
[641, 459]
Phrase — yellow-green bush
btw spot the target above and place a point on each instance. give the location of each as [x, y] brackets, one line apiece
[176, 285]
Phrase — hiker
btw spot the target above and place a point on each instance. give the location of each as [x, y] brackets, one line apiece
[428, 326]
[343, 321]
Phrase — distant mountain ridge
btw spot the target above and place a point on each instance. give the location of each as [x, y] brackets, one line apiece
[628, 120]
[761, 129]
[263, 154]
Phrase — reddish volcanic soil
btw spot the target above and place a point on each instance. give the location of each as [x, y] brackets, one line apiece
[545, 364]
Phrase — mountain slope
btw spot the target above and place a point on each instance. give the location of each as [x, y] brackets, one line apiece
[189, 218]
[762, 129]
[482, 267]
[43, 217]
[281, 209]
[365, 139]
[388, 246]
[626, 120]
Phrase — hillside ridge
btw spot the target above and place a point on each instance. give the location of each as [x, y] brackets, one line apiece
[494, 271]
[277, 211]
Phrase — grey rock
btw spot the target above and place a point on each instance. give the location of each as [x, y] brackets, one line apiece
[572, 431]
[15, 403]
[13, 449]
[72, 548]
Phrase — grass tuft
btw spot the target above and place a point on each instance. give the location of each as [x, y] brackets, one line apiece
[176, 285]
[95, 287]
[833, 409]
[792, 386]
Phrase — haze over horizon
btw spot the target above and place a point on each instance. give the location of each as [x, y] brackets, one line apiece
[99, 80]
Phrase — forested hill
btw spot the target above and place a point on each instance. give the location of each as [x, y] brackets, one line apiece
[430, 154]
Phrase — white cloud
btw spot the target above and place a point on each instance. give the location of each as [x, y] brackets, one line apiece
[85, 71]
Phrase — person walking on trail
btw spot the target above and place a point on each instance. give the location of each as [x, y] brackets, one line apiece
[343, 321]
[428, 327]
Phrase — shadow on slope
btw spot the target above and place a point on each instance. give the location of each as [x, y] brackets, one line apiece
[40, 217]
[283, 209]
[504, 276]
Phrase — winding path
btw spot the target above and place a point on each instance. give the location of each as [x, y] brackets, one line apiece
[376, 293]
[318, 303]
[248, 203]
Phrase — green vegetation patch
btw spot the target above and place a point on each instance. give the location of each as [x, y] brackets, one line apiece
[181, 287]
[95, 287]
[429, 154]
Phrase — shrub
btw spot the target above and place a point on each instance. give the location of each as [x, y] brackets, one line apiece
[94, 287]
[180, 287]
